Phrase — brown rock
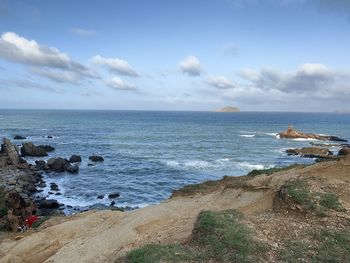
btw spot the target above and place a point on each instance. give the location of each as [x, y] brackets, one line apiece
[344, 151]
[291, 133]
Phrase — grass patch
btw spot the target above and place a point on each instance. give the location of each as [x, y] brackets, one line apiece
[159, 253]
[323, 245]
[274, 169]
[217, 237]
[330, 201]
[299, 193]
[224, 238]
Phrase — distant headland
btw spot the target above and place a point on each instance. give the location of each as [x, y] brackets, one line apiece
[228, 109]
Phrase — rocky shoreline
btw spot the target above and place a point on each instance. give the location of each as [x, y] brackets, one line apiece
[22, 182]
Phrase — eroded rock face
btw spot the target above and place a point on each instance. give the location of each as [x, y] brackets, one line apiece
[29, 149]
[291, 133]
[11, 151]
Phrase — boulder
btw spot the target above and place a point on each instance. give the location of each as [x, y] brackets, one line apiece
[100, 196]
[291, 133]
[75, 159]
[113, 195]
[19, 137]
[96, 158]
[29, 149]
[48, 204]
[47, 148]
[344, 151]
[58, 164]
[72, 169]
[11, 151]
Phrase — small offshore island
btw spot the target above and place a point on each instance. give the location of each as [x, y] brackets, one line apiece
[269, 215]
[228, 109]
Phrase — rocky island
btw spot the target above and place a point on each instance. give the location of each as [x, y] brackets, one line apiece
[291, 133]
[228, 109]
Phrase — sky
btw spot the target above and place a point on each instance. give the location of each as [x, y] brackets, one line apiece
[258, 55]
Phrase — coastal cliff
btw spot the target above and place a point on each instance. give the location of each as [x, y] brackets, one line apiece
[274, 209]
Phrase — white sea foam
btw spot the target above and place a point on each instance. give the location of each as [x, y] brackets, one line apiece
[304, 139]
[198, 164]
[254, 166]
[247, 135]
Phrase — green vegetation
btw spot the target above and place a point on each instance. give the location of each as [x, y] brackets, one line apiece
[217, 237]
[157, 253]
[223, 238]
[299, 192]
[323, 245]
[330, 201]
[275, 169]
[39, 222]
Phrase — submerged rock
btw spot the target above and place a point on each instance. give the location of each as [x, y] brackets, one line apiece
[100, 196]
[113, 195]
[96, 158]
[47, 148]
[75, 159]
[291, 133]
[73, 169]
[19, 137]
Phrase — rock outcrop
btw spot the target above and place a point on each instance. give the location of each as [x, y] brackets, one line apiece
[29, 149]
[61, 165]
[344, 151]
[10, 151]
[291, 133]
[311, 152]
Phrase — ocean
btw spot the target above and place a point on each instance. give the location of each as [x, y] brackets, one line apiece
[148, 154]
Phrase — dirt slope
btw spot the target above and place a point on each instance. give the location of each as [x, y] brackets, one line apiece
[103, 236]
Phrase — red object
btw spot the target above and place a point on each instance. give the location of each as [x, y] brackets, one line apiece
[30, 220]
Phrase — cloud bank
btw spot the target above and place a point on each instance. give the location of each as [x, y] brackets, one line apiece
[45, 61]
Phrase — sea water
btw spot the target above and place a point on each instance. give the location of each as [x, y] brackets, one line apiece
[148, 154]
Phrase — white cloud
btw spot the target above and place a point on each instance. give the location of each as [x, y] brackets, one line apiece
[309, 81]
[191, 66]
[115, 65]
[83, 32]
[28, 52]
[118, 84]
[220, 82]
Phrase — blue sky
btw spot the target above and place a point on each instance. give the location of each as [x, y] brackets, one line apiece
[272, 55]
